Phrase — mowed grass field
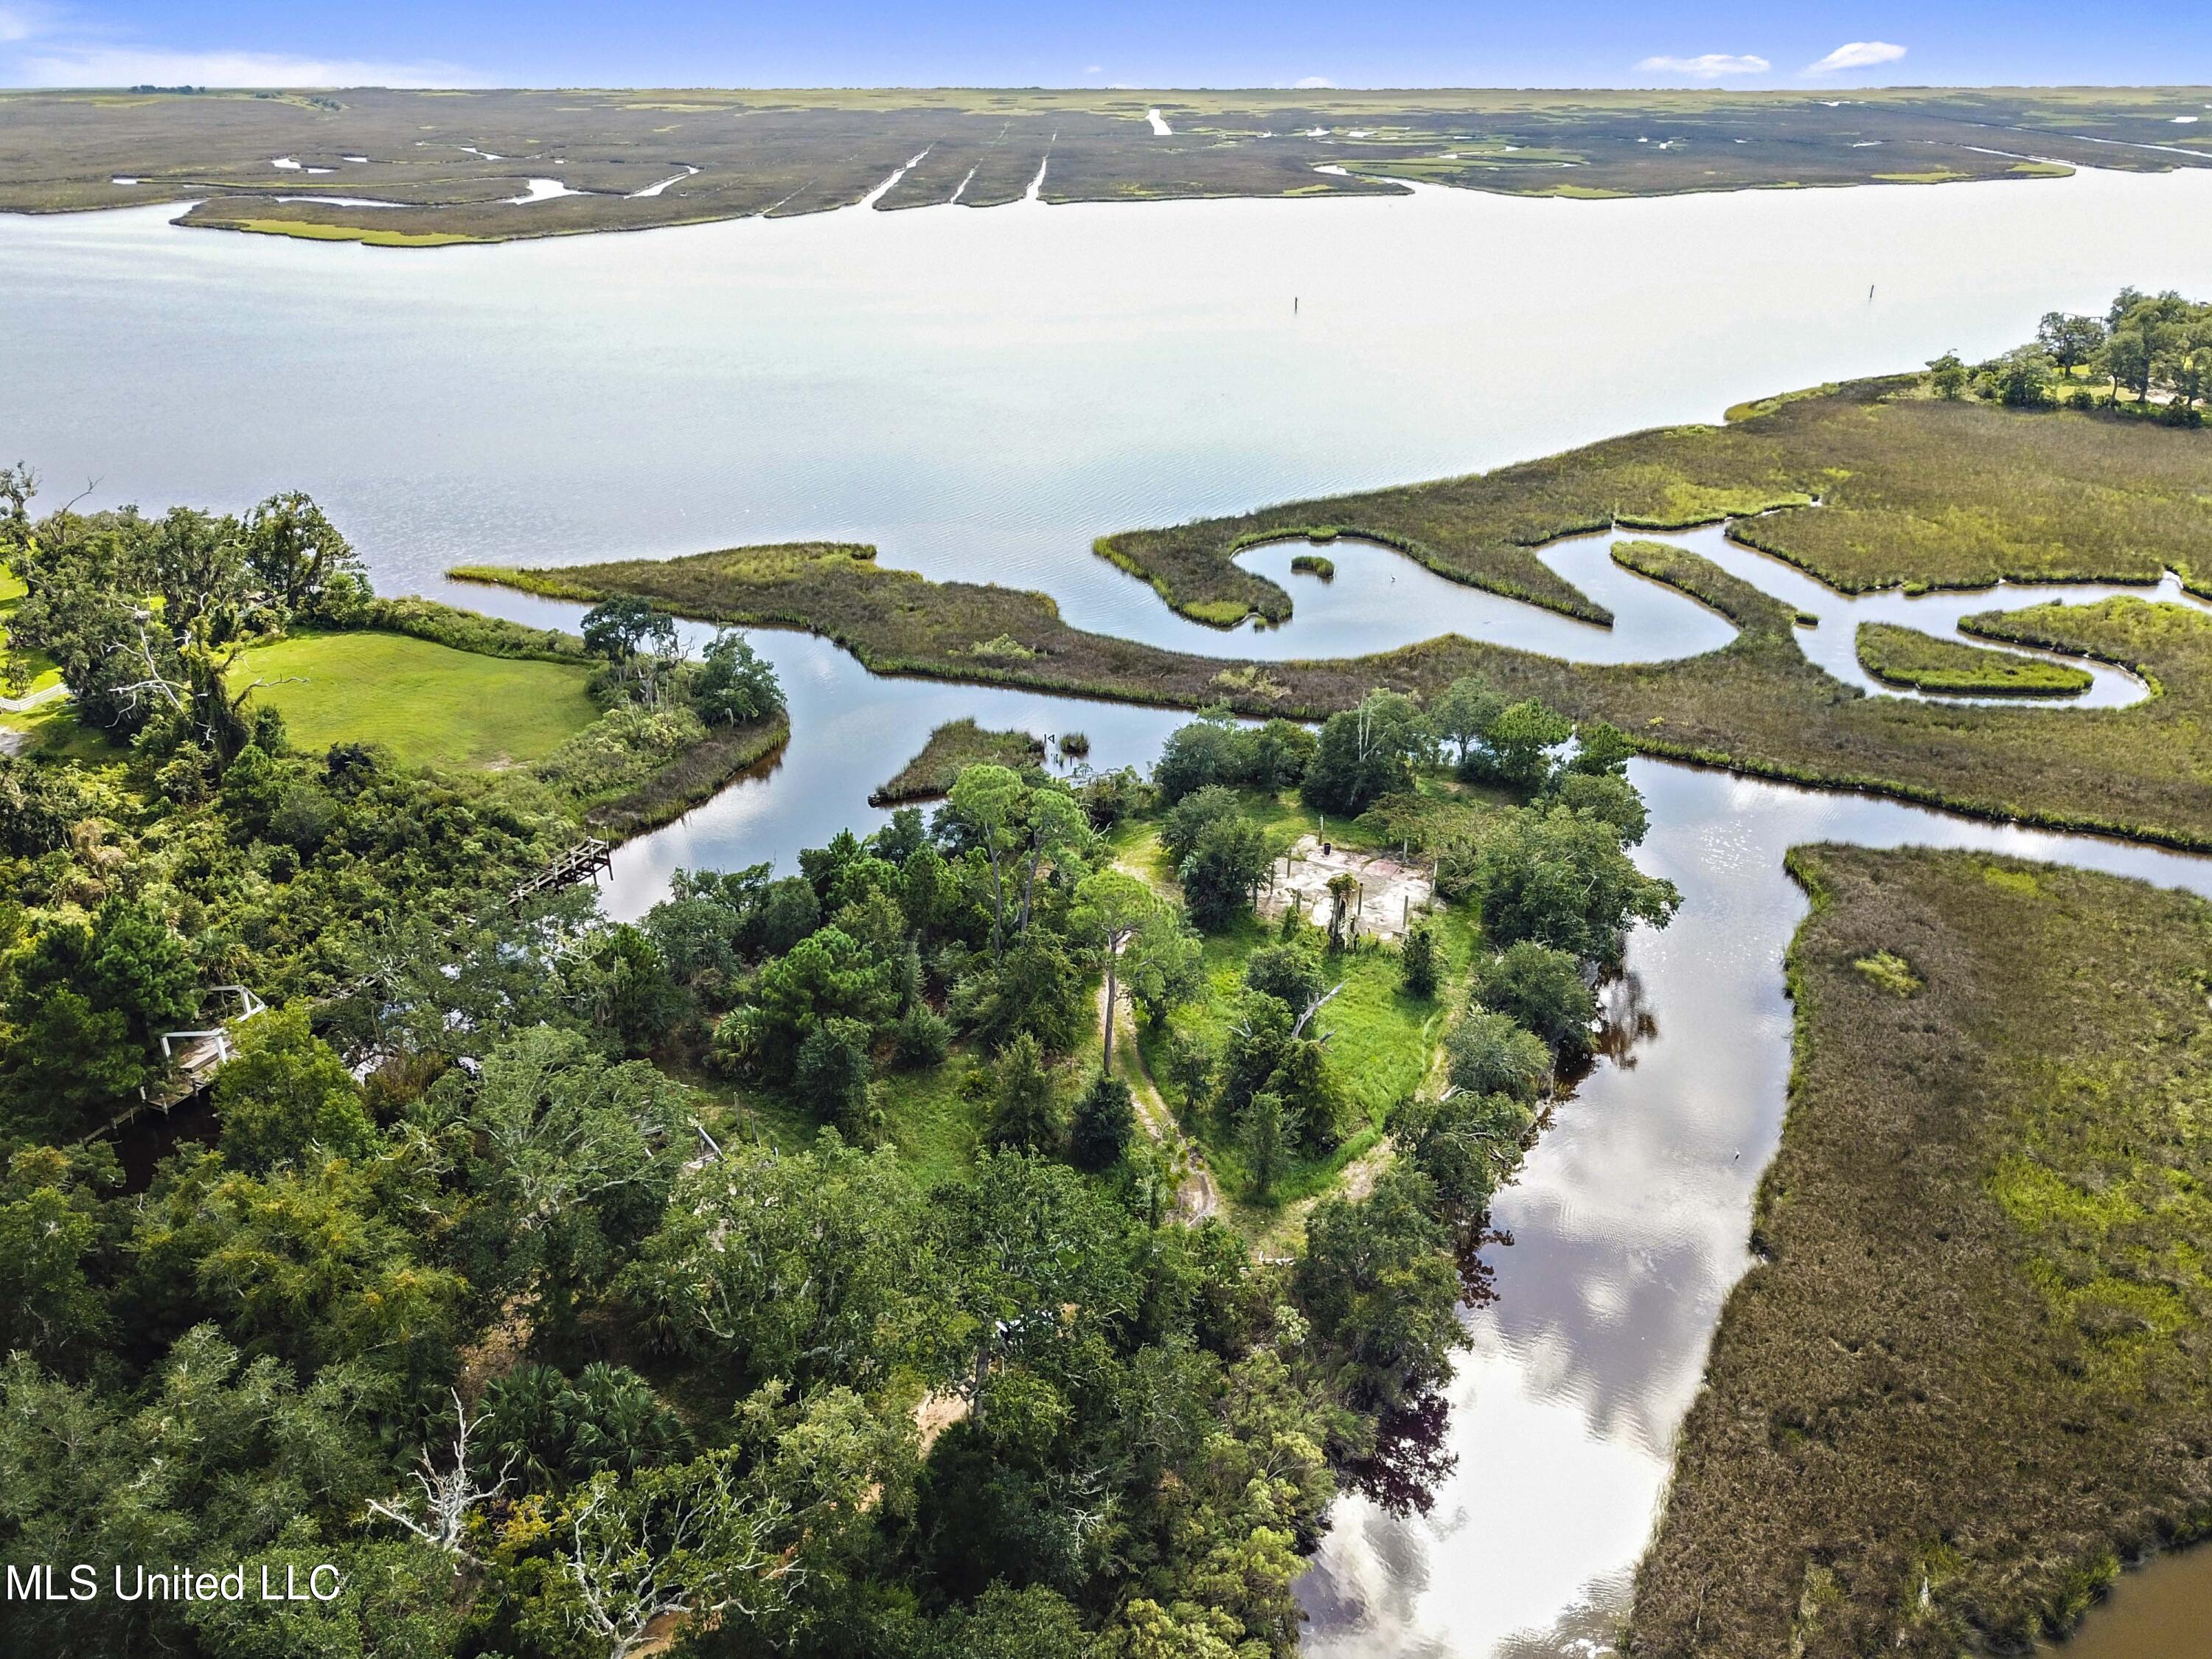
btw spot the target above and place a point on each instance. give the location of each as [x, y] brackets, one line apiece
[1972, 1371]
[429, 705]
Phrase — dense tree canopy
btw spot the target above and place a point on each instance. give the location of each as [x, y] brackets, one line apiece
[801, 1268]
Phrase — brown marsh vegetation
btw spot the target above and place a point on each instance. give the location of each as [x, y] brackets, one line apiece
[1913, 490]
[1970, 1373]
[1756, 705]
[951, 749]
[454, 157]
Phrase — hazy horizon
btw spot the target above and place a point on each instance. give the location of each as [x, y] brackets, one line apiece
[1595, 44]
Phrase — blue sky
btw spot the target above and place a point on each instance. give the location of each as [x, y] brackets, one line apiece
[1144, 42]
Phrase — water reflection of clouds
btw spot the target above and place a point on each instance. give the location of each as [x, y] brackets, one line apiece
[981, 394]
[1631, 1220]
[1486, 1564]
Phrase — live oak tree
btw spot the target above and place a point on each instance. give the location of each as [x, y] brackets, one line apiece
[570, 1158]
[301, 561]
[1367, 752]
[1464, 1142]
[820, 1266]
[1226, 862]
[734, 683]
[1034, 1256]
[1463, 716]
[1560, 879]
[1379, 1284]
[1543, 991]
[2071, 340]
[1517, 747]
[287, 1095]
[1486, 1053]
[639, 642]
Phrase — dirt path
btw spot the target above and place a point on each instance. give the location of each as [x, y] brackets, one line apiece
[1196, 1196]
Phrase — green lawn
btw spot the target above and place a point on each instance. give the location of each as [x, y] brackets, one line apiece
[43, 673]
[1383, 1041]
[43, 733]
[1380, 1047]
[935, 1127]
[427, 704]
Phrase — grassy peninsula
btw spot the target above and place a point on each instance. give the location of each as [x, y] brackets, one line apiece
[457, 165]
[2000, 477]
[1969, 1376]
[951, 749]
[1905, 656]
[1912, 490]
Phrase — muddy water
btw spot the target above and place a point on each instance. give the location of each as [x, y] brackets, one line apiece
[2161, 1610]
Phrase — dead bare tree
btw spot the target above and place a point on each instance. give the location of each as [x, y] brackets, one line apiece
[446, 1496]
[1315, 1007]
[678, 1544]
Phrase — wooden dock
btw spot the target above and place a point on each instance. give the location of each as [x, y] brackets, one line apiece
[195, 1057]
[584, 860]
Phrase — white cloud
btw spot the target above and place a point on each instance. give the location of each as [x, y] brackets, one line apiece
[1312, 83]
[18, 23]
[1857, 54]
[1709, 65]
[130, 66]
[1094, 68]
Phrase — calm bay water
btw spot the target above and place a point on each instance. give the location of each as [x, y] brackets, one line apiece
[981, 394]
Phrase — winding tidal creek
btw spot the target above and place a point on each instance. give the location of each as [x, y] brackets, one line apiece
[982, 394]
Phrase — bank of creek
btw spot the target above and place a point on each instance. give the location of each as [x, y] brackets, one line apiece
[982, 394]
[1629, 1222]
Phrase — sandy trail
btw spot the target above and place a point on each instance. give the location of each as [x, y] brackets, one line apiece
[1196, 1196]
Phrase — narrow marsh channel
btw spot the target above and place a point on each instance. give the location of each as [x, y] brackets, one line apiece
[980, 394]
[1629, 1222]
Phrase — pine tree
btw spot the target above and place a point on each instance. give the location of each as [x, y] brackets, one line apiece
[1266, 1139]
[1417, 961]
[1024, 1113]
[1104, 1118]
